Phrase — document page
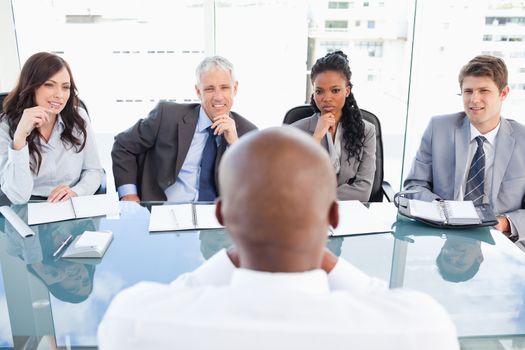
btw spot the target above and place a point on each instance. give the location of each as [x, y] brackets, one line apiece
[171, 217]
[96, 205]
[39, 213]
[356, 219]
[426, 210]
[205, 214]
[462, 213]
[386, 212]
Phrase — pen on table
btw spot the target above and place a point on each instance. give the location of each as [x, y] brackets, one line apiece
[64, 244]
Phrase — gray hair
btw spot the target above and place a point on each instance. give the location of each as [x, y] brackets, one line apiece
[213, 62]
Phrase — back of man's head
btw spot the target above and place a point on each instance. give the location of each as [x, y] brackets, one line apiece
[277, 199]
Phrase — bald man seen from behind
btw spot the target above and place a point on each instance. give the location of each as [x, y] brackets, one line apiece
[277, 287]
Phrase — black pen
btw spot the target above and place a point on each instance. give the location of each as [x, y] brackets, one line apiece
[65, 243]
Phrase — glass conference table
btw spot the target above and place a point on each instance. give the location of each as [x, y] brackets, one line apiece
[47, 303]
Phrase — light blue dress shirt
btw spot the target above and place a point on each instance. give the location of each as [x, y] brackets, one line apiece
[186, 186]
[61, 164]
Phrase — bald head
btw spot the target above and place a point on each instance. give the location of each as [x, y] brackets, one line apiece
[277, 193]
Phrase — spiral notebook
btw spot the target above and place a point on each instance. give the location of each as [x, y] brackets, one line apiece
[449, 213]
[183, 217]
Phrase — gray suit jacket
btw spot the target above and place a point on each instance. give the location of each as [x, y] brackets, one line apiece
[440, 163]
[150, 154]
[355, 178]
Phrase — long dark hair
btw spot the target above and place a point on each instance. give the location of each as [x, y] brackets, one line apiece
[351, 118]
[36, 71]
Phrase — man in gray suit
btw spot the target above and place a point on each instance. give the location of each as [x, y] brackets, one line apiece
[476, 151]
[174, 153]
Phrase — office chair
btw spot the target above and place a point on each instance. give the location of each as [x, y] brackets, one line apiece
[2, 98]
[103, 184]
[380, 187]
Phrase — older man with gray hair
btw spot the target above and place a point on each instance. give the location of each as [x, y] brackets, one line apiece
[174, 153]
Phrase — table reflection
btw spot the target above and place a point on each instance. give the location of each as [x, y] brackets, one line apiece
[459, 258]
[67, 280]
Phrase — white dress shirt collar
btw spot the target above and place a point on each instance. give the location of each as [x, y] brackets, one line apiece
[334, 148]
[204, 121]
[309, 282]
[490, 136]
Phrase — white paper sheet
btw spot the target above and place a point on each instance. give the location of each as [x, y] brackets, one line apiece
[356, 219]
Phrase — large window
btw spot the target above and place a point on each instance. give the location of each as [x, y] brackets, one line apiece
[447, 34]
[128, 55]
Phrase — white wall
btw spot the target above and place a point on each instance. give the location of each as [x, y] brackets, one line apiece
[9, 64]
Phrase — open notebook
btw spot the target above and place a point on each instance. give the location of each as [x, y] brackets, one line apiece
[73, 208]
[448, 213]
[179, 217]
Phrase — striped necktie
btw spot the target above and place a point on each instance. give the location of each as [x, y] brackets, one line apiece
[474, 188]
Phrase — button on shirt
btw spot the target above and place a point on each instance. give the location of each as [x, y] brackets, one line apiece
[489, 147]
[61, 164]
[334, 148]
[220, 307]
[186, 186]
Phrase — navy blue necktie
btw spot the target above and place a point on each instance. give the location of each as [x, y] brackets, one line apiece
[207, 189]
[474, 188]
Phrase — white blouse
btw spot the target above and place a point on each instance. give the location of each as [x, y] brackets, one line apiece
[61, 164]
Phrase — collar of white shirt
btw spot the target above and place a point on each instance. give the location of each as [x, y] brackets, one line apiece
[311, 282]
[490, 136]
[204, 121]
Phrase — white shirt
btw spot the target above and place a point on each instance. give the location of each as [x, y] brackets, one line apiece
[489, 148]
[61, 164]
[334, 148]
[220, 307]
[186, 186]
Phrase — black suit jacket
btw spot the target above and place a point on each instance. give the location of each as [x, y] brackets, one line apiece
[150, 154]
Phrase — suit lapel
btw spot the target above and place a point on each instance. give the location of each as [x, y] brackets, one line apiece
[504, 146]
[461, 142]
[186, 130]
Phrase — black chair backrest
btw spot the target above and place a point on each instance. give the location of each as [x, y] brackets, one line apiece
[2, 97]
[301, 112]
[83, 105]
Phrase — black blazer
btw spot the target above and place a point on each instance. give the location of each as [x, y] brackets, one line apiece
[150, 154]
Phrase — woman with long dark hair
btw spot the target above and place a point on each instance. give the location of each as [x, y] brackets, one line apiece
[339, 127]
[47, 147]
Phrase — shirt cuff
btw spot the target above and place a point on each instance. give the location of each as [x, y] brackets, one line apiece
[513, 230]
[19, 156]
[345, 276]
[126, 189]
